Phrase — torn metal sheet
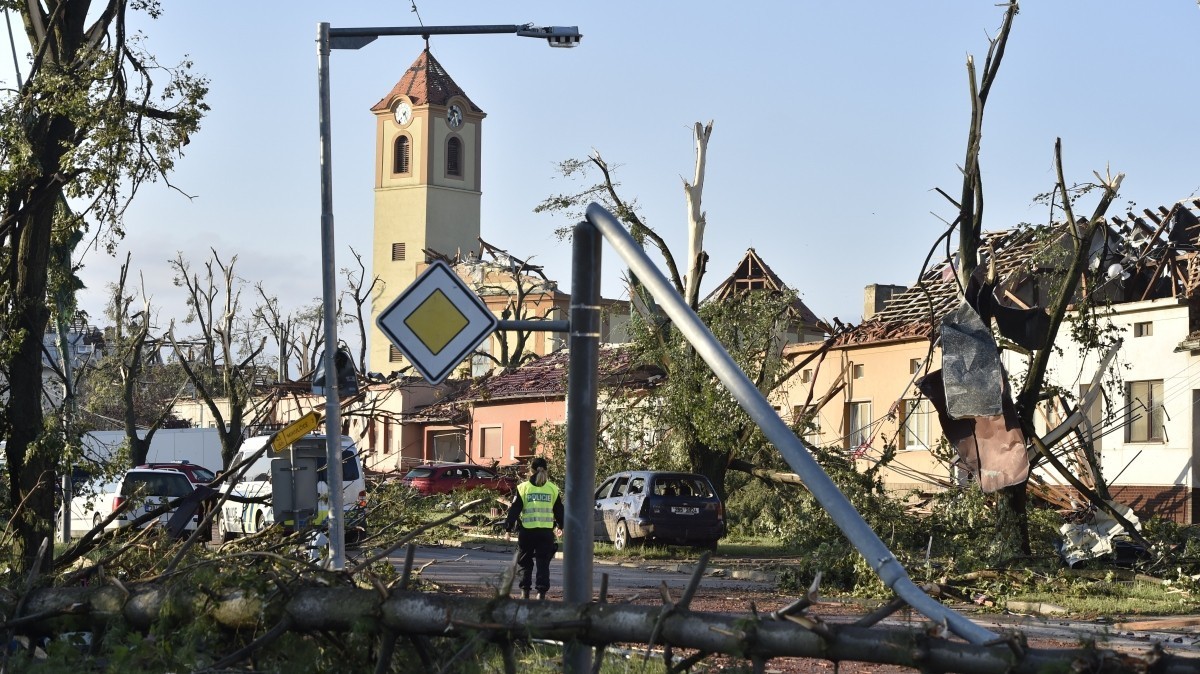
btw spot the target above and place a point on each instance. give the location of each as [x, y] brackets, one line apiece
[1029, 328]
[972, 376]
[991, 448]
[1094, 539]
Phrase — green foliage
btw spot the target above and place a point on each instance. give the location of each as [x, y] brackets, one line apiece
[392, 508]
[791, 513]
[690, 421]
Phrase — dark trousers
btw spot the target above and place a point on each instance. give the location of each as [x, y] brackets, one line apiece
[535, 545]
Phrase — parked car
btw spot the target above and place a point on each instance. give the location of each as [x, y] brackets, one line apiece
[655, 506]
[150, 488]
[443, 478]
[196, 474]
[91, 500]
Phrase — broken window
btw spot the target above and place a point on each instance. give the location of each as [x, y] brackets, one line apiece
[1145, 412]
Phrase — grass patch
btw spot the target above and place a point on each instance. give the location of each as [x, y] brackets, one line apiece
[1086, 598]
[644, 552]
[755, 547]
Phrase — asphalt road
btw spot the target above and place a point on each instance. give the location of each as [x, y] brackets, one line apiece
[480, 566]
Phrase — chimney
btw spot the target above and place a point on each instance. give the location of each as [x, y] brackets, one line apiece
[876, 295]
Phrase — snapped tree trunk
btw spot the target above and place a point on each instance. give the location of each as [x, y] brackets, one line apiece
[311, 608]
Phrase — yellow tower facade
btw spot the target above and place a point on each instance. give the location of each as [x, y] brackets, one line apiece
[427, 185]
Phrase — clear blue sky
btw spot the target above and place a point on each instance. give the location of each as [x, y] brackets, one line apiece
[834, 121]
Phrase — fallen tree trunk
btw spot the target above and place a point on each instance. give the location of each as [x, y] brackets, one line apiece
[401, 613]
[775, 476]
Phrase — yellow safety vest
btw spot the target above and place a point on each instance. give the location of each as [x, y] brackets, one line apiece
[537, 505]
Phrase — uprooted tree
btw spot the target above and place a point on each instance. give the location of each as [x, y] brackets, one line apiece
[260, 600]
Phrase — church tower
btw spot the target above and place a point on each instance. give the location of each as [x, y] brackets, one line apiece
[427, 184]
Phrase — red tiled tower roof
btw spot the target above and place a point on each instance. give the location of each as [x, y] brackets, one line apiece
[425, 82]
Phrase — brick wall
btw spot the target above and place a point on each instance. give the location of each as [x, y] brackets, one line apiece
[1175, 502]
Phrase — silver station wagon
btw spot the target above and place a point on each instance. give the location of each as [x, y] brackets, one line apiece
[644, 506]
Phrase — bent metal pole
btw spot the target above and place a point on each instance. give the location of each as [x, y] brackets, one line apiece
[860, 534]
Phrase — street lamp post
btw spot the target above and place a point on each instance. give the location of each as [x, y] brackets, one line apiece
[356, 38]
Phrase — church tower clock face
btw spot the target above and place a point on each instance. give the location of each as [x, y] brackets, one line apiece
[403, 113]
[454, 116]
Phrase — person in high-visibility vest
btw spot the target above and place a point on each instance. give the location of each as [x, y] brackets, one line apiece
[538, 509]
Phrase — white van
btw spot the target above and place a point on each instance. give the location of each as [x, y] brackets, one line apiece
[247, 518]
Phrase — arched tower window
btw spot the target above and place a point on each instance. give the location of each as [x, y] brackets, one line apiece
[402, 155]
[454, 157]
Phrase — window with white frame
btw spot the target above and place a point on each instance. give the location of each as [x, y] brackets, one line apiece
[917, 420]
[858, 424]
[1145, 412]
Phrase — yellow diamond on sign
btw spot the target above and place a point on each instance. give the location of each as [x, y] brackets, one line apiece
[436, 321]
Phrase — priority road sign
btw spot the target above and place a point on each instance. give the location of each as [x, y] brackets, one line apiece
[437, 322]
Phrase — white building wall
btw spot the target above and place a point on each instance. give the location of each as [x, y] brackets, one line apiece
[1159, 463]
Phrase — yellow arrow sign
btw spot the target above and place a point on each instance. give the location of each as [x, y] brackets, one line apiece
[295, 430]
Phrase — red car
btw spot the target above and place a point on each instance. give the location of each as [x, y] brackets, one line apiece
[443, 478]
[196, 474]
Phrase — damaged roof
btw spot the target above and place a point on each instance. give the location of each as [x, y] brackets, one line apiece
[1147, 255]
[543, 378]
[754, 274]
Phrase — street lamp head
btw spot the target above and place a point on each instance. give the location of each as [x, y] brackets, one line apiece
[555, 36]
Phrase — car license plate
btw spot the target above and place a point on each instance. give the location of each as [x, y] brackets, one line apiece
[684, 511]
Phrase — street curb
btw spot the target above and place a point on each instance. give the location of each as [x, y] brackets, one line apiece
[754, 575]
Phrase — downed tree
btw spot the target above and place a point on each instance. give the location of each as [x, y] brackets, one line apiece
[311, 608]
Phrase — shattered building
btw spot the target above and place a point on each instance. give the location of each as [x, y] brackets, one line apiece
[862, 393]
